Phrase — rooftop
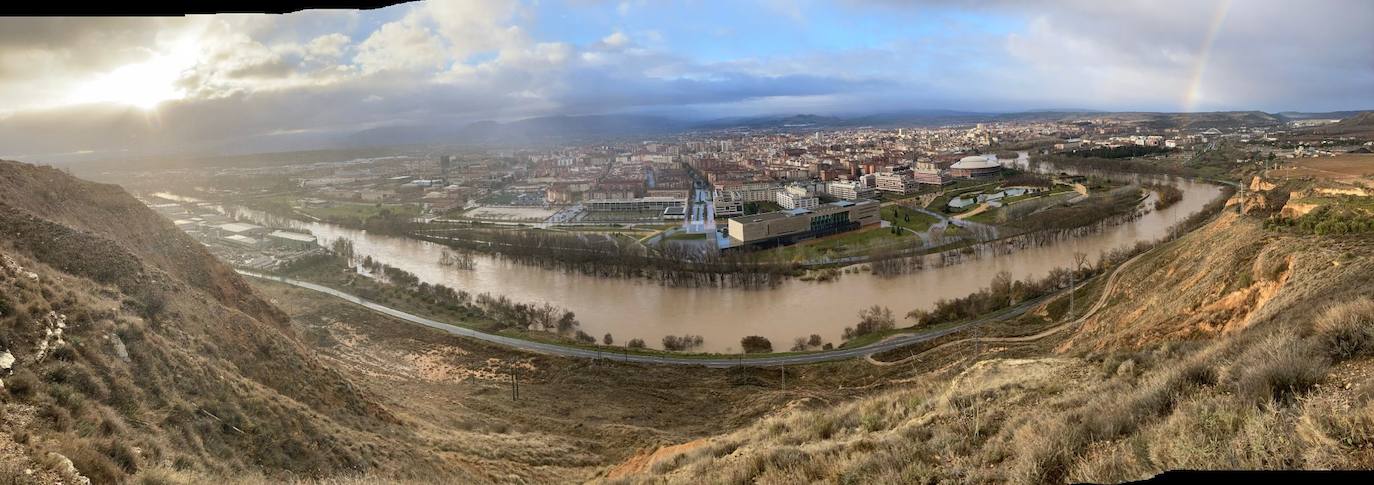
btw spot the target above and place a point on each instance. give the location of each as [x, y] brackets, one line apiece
[975, 162]
[239, 227]
[294, 236]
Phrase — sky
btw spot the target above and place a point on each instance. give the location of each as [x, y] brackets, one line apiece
[105, 87]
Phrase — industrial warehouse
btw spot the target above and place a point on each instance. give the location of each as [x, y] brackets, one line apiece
[792, 225]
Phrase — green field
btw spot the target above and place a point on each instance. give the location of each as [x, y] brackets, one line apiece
[908, 218]
[360, 211]
[852, 243]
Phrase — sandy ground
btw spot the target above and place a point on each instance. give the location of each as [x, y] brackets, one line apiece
[1346, 168]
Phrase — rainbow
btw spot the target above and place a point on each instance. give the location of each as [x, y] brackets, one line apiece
[1190, 98]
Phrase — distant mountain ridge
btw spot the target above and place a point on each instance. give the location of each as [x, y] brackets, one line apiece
[530, 130]
[572, 128]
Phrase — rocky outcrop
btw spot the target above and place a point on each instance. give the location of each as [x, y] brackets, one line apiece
[1258, 184]
[1295, 208]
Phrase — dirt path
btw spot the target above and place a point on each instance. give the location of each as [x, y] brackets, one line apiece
[1110, 285]
[976, 210]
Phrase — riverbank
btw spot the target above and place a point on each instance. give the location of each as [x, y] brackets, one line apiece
[638, 308]
[881, 342]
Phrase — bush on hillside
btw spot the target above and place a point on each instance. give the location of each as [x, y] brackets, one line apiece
[1347, 330]
[22, 384]
[1280, 369]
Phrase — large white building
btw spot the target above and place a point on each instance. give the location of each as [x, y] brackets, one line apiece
[901, 182]
[750, 192]
[849, 189]
[638, 204]
[976, 166]
[796, 197]
[727, 204]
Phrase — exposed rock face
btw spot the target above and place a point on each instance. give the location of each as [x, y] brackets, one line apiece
[1294, 209]
[1258, 184]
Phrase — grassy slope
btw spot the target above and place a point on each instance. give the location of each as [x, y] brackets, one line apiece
[220, 385]
[1218, 351]
[206, 375]
[574, 418]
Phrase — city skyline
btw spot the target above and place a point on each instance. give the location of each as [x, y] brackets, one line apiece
[303, 79]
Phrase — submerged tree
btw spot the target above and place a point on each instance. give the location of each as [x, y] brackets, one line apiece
[755, 344]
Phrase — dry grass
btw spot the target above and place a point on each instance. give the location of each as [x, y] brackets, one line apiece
[1347, 167]
[1347, 331]
[1280, 368]
[1164, 380]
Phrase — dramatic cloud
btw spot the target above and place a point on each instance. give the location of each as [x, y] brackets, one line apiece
[246, 82]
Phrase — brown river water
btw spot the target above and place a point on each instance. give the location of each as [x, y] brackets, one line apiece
[636, 308]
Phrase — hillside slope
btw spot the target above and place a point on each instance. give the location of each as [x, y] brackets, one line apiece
[125, 344]
[129, 354]
[1231, 348]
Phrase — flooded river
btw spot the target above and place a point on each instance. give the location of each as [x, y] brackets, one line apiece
[633, 308]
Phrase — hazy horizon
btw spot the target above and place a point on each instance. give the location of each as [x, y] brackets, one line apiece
[116, 87]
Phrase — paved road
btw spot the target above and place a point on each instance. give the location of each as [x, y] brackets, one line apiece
[899, 340]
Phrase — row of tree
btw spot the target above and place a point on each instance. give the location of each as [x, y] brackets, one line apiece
[1004, 292]
[670, 265]
[499, 309]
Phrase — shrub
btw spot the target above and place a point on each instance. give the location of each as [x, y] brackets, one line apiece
[121, 455]
[676, 343]
[94, 464]
[1045, 450]
[60, 418]
[608, 339]
[584, 337]
[754, 344]
[1279, 369]
[151, 302]
[23, 384]
[872, 319]
[635, 343]
[1347, 330]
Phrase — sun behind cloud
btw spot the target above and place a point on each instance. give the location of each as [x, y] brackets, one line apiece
[143, 85]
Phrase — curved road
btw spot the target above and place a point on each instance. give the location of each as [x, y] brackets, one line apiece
[899, 340]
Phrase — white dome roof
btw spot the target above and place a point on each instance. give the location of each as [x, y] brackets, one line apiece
[975, 162]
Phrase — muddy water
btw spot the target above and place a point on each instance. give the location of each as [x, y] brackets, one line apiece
[629, 308]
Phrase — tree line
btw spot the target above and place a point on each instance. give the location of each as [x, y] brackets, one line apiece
[672, 265]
